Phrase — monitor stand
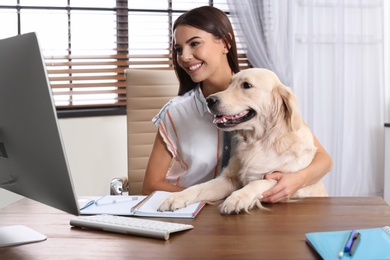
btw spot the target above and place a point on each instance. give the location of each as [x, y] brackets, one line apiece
[18, 234]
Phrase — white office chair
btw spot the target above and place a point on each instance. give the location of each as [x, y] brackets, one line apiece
[147, 92]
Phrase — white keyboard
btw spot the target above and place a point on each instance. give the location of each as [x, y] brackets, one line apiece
[129, 225]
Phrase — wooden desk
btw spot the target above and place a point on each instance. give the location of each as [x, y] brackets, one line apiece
[275, 234]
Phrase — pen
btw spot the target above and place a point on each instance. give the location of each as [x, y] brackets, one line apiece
[356, 239]
[114, 201]
[341, 253]
[349, 243]
[89, 203]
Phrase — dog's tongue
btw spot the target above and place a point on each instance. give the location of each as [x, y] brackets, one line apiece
[223, 119]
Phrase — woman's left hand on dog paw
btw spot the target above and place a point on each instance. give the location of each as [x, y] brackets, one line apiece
[287, 185]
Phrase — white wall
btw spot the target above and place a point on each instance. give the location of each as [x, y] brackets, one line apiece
[97, 151]
[386, 35]
[96, 148]
[387, 166]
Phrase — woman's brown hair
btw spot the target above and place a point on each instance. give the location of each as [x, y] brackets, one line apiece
[211, 20]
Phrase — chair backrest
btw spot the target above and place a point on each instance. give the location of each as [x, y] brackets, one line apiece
[147, 92]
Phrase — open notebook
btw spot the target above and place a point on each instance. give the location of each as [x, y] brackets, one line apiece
[374, 244]
[143, 206]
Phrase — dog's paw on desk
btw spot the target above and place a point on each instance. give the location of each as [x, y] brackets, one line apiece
[243, 200]
[238, 202]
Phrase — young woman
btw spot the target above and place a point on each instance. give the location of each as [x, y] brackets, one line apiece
[189, 149]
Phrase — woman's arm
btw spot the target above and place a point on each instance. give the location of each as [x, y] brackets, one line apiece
[157, 168]
[289, 183]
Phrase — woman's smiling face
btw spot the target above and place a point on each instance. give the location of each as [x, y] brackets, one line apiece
[199, 53]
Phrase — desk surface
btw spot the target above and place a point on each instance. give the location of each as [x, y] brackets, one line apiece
[275, 234]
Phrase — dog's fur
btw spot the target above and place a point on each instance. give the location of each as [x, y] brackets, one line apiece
[271, 136]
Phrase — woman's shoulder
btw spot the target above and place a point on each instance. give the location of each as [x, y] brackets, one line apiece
[180, 101]
[176, 103]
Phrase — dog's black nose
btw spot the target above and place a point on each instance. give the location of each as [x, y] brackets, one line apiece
[211, 101]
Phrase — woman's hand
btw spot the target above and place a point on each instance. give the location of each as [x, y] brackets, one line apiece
[287, 185]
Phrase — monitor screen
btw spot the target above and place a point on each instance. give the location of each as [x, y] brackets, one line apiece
[32, 157]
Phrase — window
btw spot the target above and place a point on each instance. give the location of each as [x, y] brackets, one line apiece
[87, 44]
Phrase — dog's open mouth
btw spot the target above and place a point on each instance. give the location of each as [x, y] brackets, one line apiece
[224, 121]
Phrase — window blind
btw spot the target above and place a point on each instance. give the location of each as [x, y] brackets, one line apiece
[87, 44]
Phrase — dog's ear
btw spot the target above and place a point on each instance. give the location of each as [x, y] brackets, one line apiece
[287, 107]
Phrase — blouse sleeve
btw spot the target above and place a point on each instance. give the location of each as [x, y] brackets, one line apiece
[160, 116]
[166, 128]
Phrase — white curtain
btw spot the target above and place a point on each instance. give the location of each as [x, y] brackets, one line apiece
[267, 37]
[331, 53]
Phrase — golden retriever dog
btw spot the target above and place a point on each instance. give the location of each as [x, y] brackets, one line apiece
[271, 136]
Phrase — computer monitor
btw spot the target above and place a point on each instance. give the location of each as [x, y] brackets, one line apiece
[32, 156]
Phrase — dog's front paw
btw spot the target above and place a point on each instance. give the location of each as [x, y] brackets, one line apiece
[173, 202]
[237, 202]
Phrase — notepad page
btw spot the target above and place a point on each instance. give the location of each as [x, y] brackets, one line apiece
[114, 205]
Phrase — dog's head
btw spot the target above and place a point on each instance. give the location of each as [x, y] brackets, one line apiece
[255, 98]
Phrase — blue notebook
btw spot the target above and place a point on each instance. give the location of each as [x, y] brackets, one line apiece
[374, 244]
